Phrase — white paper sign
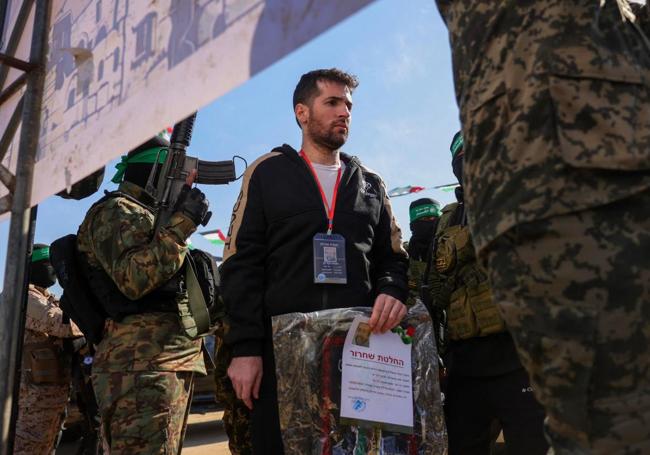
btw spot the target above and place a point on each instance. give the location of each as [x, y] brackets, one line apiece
[376, 382]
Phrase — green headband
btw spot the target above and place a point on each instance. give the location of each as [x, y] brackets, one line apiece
[456, 145]
[144, 157]
[422, 211]
[41, 254]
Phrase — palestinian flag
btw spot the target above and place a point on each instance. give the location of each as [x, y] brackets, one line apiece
[447, 188]
[404, 190]
[215, 237]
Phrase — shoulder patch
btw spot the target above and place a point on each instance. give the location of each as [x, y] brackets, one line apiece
[450, 207]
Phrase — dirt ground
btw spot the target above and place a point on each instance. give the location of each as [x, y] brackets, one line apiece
[205, 435]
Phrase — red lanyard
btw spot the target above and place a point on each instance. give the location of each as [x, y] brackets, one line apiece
[328, 210]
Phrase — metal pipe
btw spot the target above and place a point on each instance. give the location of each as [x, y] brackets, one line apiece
[12, 126]
[21, 336]
[3, 19]
[5, 206]
[7, 179]
[13, 88]
[16, 34]
[15, 62]
[19, 228]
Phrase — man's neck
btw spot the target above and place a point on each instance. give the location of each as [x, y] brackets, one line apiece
[319, 154]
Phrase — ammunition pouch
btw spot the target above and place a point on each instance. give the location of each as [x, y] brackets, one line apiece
[203, 309]
[454, 249]
[488, 319]
[90, 296]
[461, 323]
[117, 306]
[45, 363]
[473, 313]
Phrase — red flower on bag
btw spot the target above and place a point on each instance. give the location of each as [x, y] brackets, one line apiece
[410, 330]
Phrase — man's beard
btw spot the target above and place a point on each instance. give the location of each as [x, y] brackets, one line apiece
[326, 137]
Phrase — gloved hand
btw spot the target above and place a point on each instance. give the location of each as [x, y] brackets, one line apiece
[192, 203]
[78, 344]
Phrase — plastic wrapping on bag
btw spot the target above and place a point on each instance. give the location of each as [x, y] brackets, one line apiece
[308, 349]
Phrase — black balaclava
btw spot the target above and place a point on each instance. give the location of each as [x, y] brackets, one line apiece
[457, 166]
[138, 173]
[457, 155]
[41, 272]
[423, 226]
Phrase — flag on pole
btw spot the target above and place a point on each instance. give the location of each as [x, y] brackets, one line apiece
[446, 188]
[215, 237]
[404, 190]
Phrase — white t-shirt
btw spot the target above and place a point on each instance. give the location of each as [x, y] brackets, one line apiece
[327, 174]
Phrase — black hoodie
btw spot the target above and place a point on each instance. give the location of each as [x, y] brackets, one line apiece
[268, 258]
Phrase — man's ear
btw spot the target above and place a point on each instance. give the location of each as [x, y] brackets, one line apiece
[302, 114]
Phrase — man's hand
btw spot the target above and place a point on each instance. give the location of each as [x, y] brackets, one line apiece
[387, 312]
[245, 373]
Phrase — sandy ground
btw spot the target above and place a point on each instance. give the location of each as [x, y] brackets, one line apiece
[205, 435]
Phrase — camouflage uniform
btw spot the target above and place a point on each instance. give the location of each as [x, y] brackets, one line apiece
[41, 406]
[415, 273]
[554, 104]
[486, 382]
[143, 367]
[236, 416]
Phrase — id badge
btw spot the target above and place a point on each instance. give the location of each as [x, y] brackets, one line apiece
[329, 259]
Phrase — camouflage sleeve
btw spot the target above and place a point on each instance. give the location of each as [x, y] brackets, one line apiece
[415, 272]
[45, 316]
[122, 243]
[440, 289]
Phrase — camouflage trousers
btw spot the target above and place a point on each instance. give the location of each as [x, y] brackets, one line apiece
[41, 411]
[236, 416]
[143, 411]
[575, 293]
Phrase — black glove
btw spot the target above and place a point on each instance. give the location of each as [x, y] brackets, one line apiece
[192, 203]
[78, 344]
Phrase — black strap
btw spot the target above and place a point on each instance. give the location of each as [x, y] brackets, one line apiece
[431, 250]
[642, 34]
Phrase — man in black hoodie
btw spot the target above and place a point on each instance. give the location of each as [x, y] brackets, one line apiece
[310, 231]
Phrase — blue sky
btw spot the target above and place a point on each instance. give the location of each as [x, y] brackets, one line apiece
[404, 115]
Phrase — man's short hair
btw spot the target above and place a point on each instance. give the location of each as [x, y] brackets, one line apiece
[307, 87]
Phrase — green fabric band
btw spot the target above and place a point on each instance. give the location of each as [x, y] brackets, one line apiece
[144, 157]
[40, 254]
[422, 211]
[457, 145]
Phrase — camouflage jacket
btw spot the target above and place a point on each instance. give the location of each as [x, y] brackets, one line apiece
[116, 236]
[44, 319]
[415, 273]
[554, 98]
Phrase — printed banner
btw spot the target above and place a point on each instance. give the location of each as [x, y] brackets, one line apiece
[120, 70]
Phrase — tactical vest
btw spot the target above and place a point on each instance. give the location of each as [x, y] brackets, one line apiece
[111, 299]
[192, 293]
[472, 311]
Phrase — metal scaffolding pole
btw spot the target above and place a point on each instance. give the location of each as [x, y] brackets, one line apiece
[19, 240]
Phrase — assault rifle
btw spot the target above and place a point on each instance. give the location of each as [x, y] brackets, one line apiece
[178, 167]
